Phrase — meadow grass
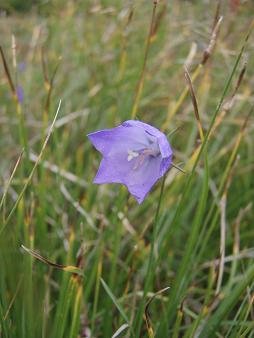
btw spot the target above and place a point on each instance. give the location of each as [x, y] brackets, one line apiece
[82, 260]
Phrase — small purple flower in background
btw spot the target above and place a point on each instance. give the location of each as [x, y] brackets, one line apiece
[20, 94]
[134, 154]
[22, 66]
[19, 90]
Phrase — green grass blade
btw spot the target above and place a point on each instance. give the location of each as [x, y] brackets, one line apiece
[227, 304]
[116, 303]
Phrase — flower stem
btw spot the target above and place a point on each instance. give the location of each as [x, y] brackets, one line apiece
[156, 218]
[151, 260]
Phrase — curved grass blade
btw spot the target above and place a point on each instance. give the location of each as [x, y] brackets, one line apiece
[10, 179]
[114, 300]
[147, 315]
[120, 330]
[67, 268]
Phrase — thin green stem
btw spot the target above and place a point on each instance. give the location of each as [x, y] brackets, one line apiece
[151, 261]
[140, 84]
[31, 173]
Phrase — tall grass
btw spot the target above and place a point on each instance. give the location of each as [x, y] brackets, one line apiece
[79, 260]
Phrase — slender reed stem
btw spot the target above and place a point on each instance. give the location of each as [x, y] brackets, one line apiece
[140, 84]
[29, 179]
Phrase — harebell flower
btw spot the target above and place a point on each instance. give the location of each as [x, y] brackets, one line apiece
[135, 154]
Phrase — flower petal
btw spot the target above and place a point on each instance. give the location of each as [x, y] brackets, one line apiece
[118, 140]
[107, 173]
[139, 182]
[164, 145]
[149, 129]
[165, 165]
